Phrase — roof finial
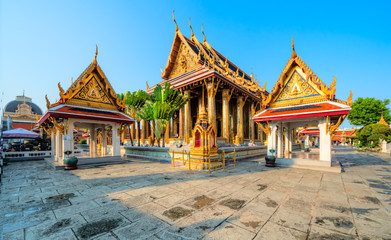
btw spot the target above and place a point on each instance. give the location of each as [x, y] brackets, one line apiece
[96, 53]
[192, 33]
[294, 55]
[176, 25]
[71, 80]
[202, 30]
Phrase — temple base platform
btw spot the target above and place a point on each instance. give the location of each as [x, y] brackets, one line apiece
[308, 160]
[179, 157]
[88, 162]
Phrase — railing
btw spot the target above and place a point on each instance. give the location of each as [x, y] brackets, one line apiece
[29, 154]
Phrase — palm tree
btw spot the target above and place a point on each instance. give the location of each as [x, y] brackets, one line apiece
[133, 103]
[164, 103]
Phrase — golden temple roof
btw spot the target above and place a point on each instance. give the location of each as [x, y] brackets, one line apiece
[204, 55]
[318, 89]
[104, 94]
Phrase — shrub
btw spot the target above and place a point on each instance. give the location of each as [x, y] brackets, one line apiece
[83, 141]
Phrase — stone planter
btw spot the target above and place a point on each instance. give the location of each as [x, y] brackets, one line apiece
[70, 163]
[270, 161]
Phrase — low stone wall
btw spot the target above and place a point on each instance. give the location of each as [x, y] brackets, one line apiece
[25, 156]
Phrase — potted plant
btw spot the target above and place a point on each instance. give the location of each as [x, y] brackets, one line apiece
[271, 160]
[70, 162]
[5, 161]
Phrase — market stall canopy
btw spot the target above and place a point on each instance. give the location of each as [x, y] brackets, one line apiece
[19, 133]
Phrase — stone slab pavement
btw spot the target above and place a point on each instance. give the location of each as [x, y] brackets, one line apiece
[149, 200]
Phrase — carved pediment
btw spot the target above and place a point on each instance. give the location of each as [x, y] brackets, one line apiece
[296, 87]
[184, 62]
[92, 94]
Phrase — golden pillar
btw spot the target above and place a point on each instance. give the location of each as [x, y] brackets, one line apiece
[138, 131]
[187, 118]
[227, 93]
[212, 87]
[240, 103]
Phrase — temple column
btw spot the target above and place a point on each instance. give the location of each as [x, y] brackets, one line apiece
[180, 132]
[53, 144]
[104, 142]
[240, 103]
[137, 131]
[324, 141]
[288, 141]
[58, 145]
[187, 117]
[93, 145]
[271, 139]
[116, 140]
[251, 123]
[212, 90]
[307, 141]
[143, 122]
[67, 144]
[280, 143]
[227, 93]
[291, 139]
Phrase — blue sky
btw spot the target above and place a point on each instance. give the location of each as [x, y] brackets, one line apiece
[46, 42]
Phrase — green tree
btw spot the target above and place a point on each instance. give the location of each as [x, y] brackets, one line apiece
[367, 111]
[373, 133]
[134, 102]
[161, 108]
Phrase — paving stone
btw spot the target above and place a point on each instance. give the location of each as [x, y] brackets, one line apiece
[52, 229]
[318, 233]
[273, 231]
[290, 219]
[142, 229]
[229, 231]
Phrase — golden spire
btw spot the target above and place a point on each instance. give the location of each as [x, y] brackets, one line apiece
[202, 30]
[192, 33]
[294, 55]
[176, 25]
[147, 85]
[382, 121]
[96, 54]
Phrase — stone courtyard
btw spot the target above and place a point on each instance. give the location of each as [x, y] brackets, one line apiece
[149, 200]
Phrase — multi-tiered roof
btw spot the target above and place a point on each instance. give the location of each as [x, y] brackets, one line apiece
[190, 61]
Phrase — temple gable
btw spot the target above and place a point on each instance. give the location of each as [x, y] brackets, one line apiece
[185, 61]
[296, 87]
[92, 94]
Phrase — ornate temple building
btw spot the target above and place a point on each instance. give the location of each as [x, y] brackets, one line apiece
[300, 99]
[89, 103]
[231, 96]
[21, 113]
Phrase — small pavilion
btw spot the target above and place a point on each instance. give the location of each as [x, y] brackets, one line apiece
[300, 99]
[90, 103]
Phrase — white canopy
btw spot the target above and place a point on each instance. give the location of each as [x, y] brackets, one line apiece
[20, 133]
